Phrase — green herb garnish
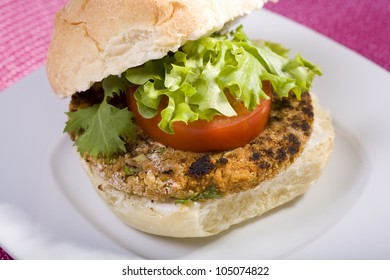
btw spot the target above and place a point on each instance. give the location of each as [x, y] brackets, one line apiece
[209, 193]
[132, 170]
[102, 128]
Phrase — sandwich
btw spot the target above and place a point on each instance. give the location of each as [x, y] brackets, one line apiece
[184, 125]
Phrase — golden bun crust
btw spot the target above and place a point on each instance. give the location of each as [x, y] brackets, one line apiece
[94, 39]
[212, 216]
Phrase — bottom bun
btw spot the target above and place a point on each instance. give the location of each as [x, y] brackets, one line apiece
[209, 217]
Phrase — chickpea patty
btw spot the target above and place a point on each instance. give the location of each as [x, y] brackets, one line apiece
[160, 173]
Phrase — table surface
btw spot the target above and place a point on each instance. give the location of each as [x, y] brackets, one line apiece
[363, 26]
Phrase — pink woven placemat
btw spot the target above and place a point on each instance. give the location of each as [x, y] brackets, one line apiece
[363, 26]
[4, 256]
[25, 28]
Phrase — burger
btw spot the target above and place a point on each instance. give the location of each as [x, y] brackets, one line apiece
[184, 125]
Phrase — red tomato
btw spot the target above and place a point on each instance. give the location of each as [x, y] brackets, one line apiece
[222, 133]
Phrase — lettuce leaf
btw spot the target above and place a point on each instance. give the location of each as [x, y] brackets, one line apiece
[194, 79]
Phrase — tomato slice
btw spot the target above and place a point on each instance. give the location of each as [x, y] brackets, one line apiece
[220, 134]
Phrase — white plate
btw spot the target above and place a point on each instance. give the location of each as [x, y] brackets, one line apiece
[48, 209]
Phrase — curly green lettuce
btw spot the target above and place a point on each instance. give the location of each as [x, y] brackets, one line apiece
[195, 77]
[193, 80]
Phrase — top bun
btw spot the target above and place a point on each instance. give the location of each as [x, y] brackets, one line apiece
[95, 39]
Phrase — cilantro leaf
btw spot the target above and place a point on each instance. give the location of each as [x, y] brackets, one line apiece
[113, 84]
[105, 132]
[102, 128]
[78, 121]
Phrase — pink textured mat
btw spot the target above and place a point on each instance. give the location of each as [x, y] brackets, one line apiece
[363, 26]
[25, 28]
